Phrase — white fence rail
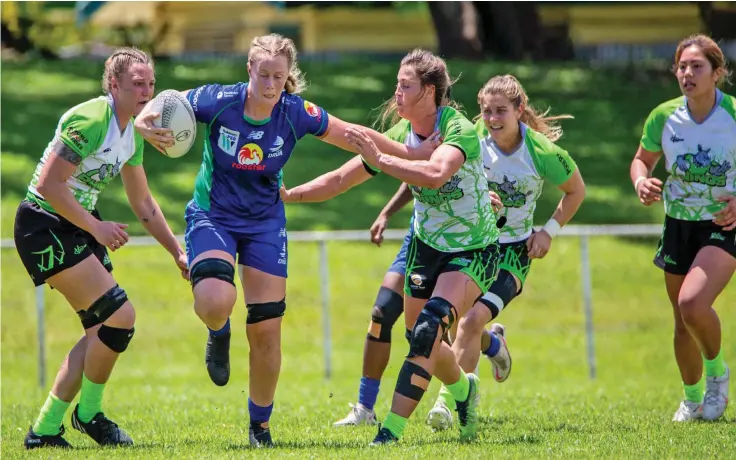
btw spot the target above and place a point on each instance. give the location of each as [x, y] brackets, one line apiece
[322, 238]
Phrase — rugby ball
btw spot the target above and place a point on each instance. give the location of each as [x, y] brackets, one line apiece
[176, 114]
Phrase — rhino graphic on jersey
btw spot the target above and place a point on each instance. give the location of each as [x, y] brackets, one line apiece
[701, 168]
[448, 192]
[510, 196]
[104, 175]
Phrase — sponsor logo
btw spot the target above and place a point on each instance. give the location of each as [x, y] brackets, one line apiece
[564, 164]
[228, 140]
[222, 94]
[312, 110]
[76, 137]
[282, 255]
[717, 236]
[250, 158]
[282, 233]
[78, 249]
[675, 139]
[276, 149]
[195, 99]
[183, 135]
[461, 261]
[107, 150]
[417, 279]
[257, 135]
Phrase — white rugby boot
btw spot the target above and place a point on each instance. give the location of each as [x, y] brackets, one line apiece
[716, 396]
[688, 412]
[358, 415]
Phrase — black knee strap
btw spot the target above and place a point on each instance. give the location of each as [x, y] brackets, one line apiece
[115, 338]
[408, 335]
[104, 307]
[413, 381]
[501, 293]
[437, 314]
[212, 268]
[388, 308]
[258, 312]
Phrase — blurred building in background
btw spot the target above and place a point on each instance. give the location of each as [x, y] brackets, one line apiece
[606, 31]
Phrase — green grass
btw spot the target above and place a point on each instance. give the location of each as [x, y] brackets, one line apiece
[610, 108]
[161, 394]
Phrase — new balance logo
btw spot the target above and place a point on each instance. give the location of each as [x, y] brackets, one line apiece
[255, 135]
[674, 139]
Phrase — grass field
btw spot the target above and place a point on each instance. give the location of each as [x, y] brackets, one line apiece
[161, 394]
[160, 391]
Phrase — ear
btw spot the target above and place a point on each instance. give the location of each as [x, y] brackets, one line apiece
[114, 83]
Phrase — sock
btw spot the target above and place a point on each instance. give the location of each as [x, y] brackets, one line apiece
[694, 393]
[90, 401]
[258, 414]
[494, 346]
[224, 331]
[395, 424]
[368, 392]
[715, 367]
[446, 397]
[51, 415]
[461, 388]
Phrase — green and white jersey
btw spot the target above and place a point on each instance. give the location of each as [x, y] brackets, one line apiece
[457, 216]
[91, 130]
[518, 177]
[699, 157]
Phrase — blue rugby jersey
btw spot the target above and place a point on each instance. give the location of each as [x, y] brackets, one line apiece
[238, 182]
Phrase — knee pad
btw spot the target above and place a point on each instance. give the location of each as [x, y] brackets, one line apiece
[258, 312]
[212, 268]
[437, 314]
[413, 381]
[115, 338]
[103, 308]
[387, 310]
[501, 293]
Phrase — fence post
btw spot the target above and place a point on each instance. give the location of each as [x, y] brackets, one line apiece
[588, 304]
[40, 318]
[325, 288]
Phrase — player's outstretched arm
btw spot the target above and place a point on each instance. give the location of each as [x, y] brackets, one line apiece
[432, 173]
[149, 213]
[336, 135]
[328, 185]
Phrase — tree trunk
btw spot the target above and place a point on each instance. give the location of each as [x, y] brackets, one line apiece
[457, 25]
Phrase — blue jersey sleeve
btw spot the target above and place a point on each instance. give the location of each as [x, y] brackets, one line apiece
[205, 101]
[307, 118]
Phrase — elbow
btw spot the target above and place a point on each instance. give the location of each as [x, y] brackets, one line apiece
[45, 188]
[435, 180]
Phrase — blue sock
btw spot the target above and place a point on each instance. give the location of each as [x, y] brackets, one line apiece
[259, 414]
[368, 392]
[225, 330]
[493, 347]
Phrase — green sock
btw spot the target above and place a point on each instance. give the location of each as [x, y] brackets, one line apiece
[446, 397]
[694, 393]
[90, 401]
[715, 367]
[51, 415]
[461, 388]
[395, 424]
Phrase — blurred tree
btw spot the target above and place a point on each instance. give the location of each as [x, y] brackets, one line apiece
[719, 20]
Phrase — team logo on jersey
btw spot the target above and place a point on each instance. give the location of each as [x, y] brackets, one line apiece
[228, 140]
[98, 178]
[311, 109]
[276, 149]
[417, 279]
[250, 158]
[510, 196]
[436, 196]
[701, 168]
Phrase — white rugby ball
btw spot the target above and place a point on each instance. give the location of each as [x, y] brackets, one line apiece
[176, 114]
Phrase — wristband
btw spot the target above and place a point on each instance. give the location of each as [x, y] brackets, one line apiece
[639, 179]
[552, 227]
